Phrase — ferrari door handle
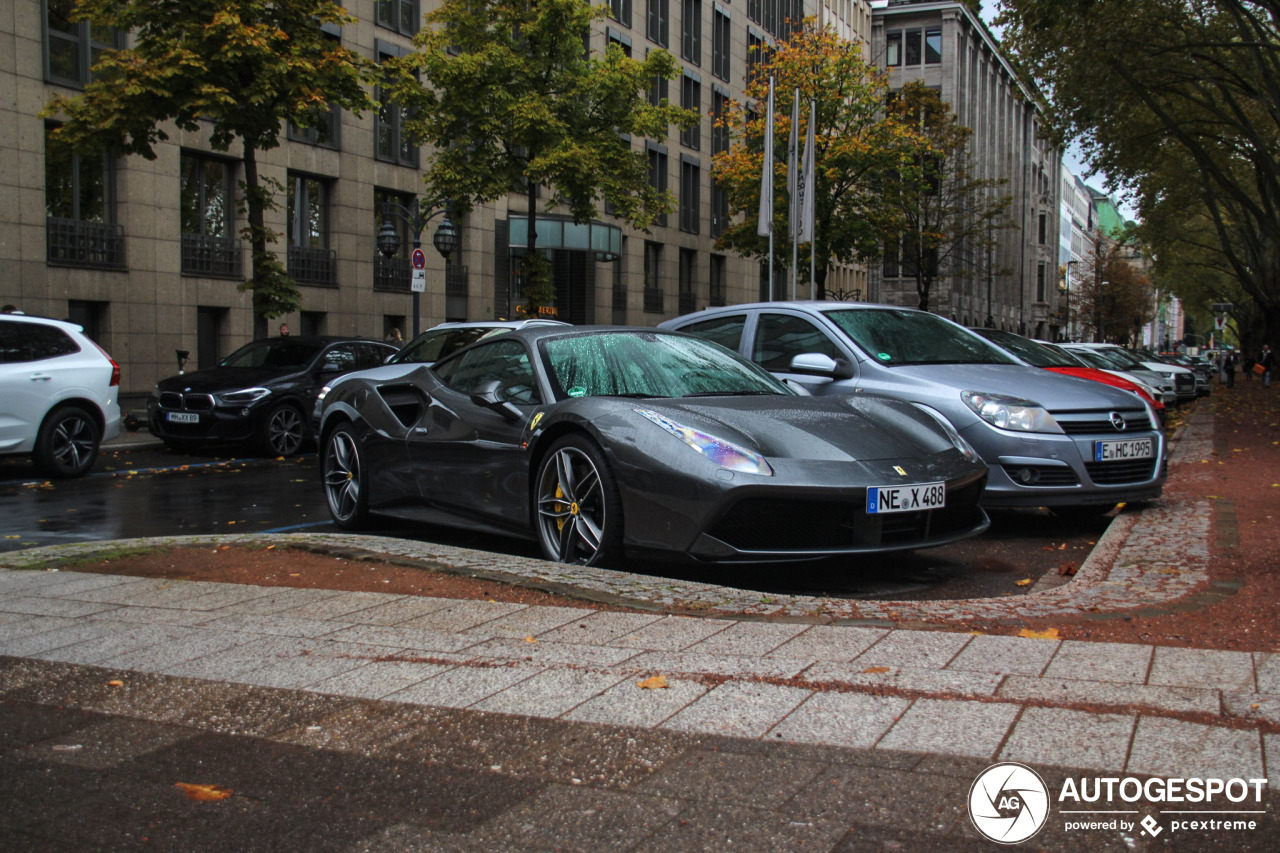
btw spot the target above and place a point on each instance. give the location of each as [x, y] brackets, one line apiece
[420, 430]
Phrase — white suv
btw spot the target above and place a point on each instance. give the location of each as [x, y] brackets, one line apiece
[59, 394]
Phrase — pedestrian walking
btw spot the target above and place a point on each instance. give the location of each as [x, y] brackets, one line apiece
[394, 337]
[1268, 361]
[1229, 368]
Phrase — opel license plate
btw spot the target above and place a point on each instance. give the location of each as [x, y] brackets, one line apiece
[886, 499]
[1115, 451]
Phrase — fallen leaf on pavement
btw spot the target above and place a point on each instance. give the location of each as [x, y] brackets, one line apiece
[203, 793]
[653, 682]
[1024, 582]
[876, 669]
[1046, 634]
[1067, 570]
[530, 639]
[115, 683]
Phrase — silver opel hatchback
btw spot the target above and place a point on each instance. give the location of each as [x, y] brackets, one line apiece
[1076, 446]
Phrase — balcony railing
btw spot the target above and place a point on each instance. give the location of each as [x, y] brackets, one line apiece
[653, 300]
[220, 257]
[688, 303]
[392, 274]
[313, 266]
[455, 280]
[73, 242]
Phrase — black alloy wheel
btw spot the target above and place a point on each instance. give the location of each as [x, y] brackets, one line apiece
[283, 431]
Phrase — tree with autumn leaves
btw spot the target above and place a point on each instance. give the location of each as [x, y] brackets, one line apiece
[889, 170]
[243, 70]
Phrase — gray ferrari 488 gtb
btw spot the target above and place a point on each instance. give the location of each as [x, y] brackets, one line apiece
[601, 442]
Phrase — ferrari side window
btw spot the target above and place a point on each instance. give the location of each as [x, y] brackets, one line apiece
[782, 337]
[504, 361]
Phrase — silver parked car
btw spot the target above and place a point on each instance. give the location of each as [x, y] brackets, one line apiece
[1076, 446]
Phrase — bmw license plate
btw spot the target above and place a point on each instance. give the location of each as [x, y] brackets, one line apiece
[182, 417]
[1115, 451]
[886, 499]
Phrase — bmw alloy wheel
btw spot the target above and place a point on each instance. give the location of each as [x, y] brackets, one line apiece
[284, 431]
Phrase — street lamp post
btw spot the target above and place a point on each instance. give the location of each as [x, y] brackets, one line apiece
[445, 238]
[1070, 264]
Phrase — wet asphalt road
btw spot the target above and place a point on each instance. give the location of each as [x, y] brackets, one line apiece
[160, 492]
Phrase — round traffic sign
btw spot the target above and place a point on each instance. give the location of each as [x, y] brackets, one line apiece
[419, 259]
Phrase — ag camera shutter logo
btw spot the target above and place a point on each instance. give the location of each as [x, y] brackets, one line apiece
[1008, 803]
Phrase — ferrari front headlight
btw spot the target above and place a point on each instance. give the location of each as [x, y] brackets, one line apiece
[726, 454]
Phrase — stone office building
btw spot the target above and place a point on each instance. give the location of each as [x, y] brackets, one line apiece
[146, 254]
[945, 44]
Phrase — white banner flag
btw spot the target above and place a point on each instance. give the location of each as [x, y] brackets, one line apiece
[793, 155]
[805, 187]
[765, 228]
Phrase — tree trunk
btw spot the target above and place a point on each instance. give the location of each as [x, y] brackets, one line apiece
[257, 233]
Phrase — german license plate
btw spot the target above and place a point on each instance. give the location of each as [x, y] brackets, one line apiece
[886, 499]
[182, 417]
[1116, 451]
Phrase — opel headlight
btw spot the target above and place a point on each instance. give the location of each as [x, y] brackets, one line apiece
[244, 396]
[1011, 413]
[723, 453]
[957, 440]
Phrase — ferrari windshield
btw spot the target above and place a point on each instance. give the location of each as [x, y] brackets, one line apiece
[279, 353]
[650, 364]
[895, 337]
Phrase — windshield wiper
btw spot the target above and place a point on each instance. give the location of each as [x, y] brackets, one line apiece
[732, 394]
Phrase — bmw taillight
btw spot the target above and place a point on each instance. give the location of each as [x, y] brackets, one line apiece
[115, 368]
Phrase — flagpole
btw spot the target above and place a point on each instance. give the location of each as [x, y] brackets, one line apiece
[765, 225]
[811, 190]
[793, 182]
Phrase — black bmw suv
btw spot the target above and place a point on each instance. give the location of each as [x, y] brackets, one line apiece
[262, 393]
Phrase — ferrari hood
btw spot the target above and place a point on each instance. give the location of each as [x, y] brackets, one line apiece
[861, 427]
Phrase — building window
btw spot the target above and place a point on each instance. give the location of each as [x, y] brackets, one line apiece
[393, 273]
[892, 253]
[1040, 282]
[721, 41]
[399, 15]
[691, 31]
[933, 46]
[719, 143]
[79, 194]
[1044, 229]
[659, 91]
[755, 54]
[658, 29]
[71, 48]
[691, 99]
[620, 11]
[322, 130]
[311, 261]
[390, 141]
[622, 41]
[652, 279]
[690, 195]
[207, 213]
[688, 281]
[717, 281]
[911, 48]
[658, 175]
[893, 49]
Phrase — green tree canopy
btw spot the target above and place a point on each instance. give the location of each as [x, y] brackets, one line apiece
[510, 99]
[241, 68]
[1148, 83]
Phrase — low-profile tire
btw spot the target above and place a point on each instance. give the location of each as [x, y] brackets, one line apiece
[283, 431]
[346, 482]
[67, 444]
[1081, 512]
[577, 511]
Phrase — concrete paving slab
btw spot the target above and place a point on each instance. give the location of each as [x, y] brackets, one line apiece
[1202, 668]
[274, 600]
[691, 662]
[149, 591]
[530, 621]
[956, 682]
[924, 649]
[126, 638]
[953, 727]
[753, 639]
[626, 704]
[1065, 691]
[17, 625]
[1271, 749]
[84, 586]
[165, 656]
[991, 653]
[464, 686]
[284, 626]
[337, 605]
[601, 627]
[1252, 706]
[393, 610]
[1165, 747]
[829, 643]
[255, 652]
[301, 671]
[670, 634]
[738, 709]
[36, 606]
[157, 616]
[413, 639]
[1080, 660]
[461, 615]
[377, 679]
[510, 649]
[1266, 666]
[550, 693]
[66, 632]
[842, 719]
[222, 596]
[1066, 738]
